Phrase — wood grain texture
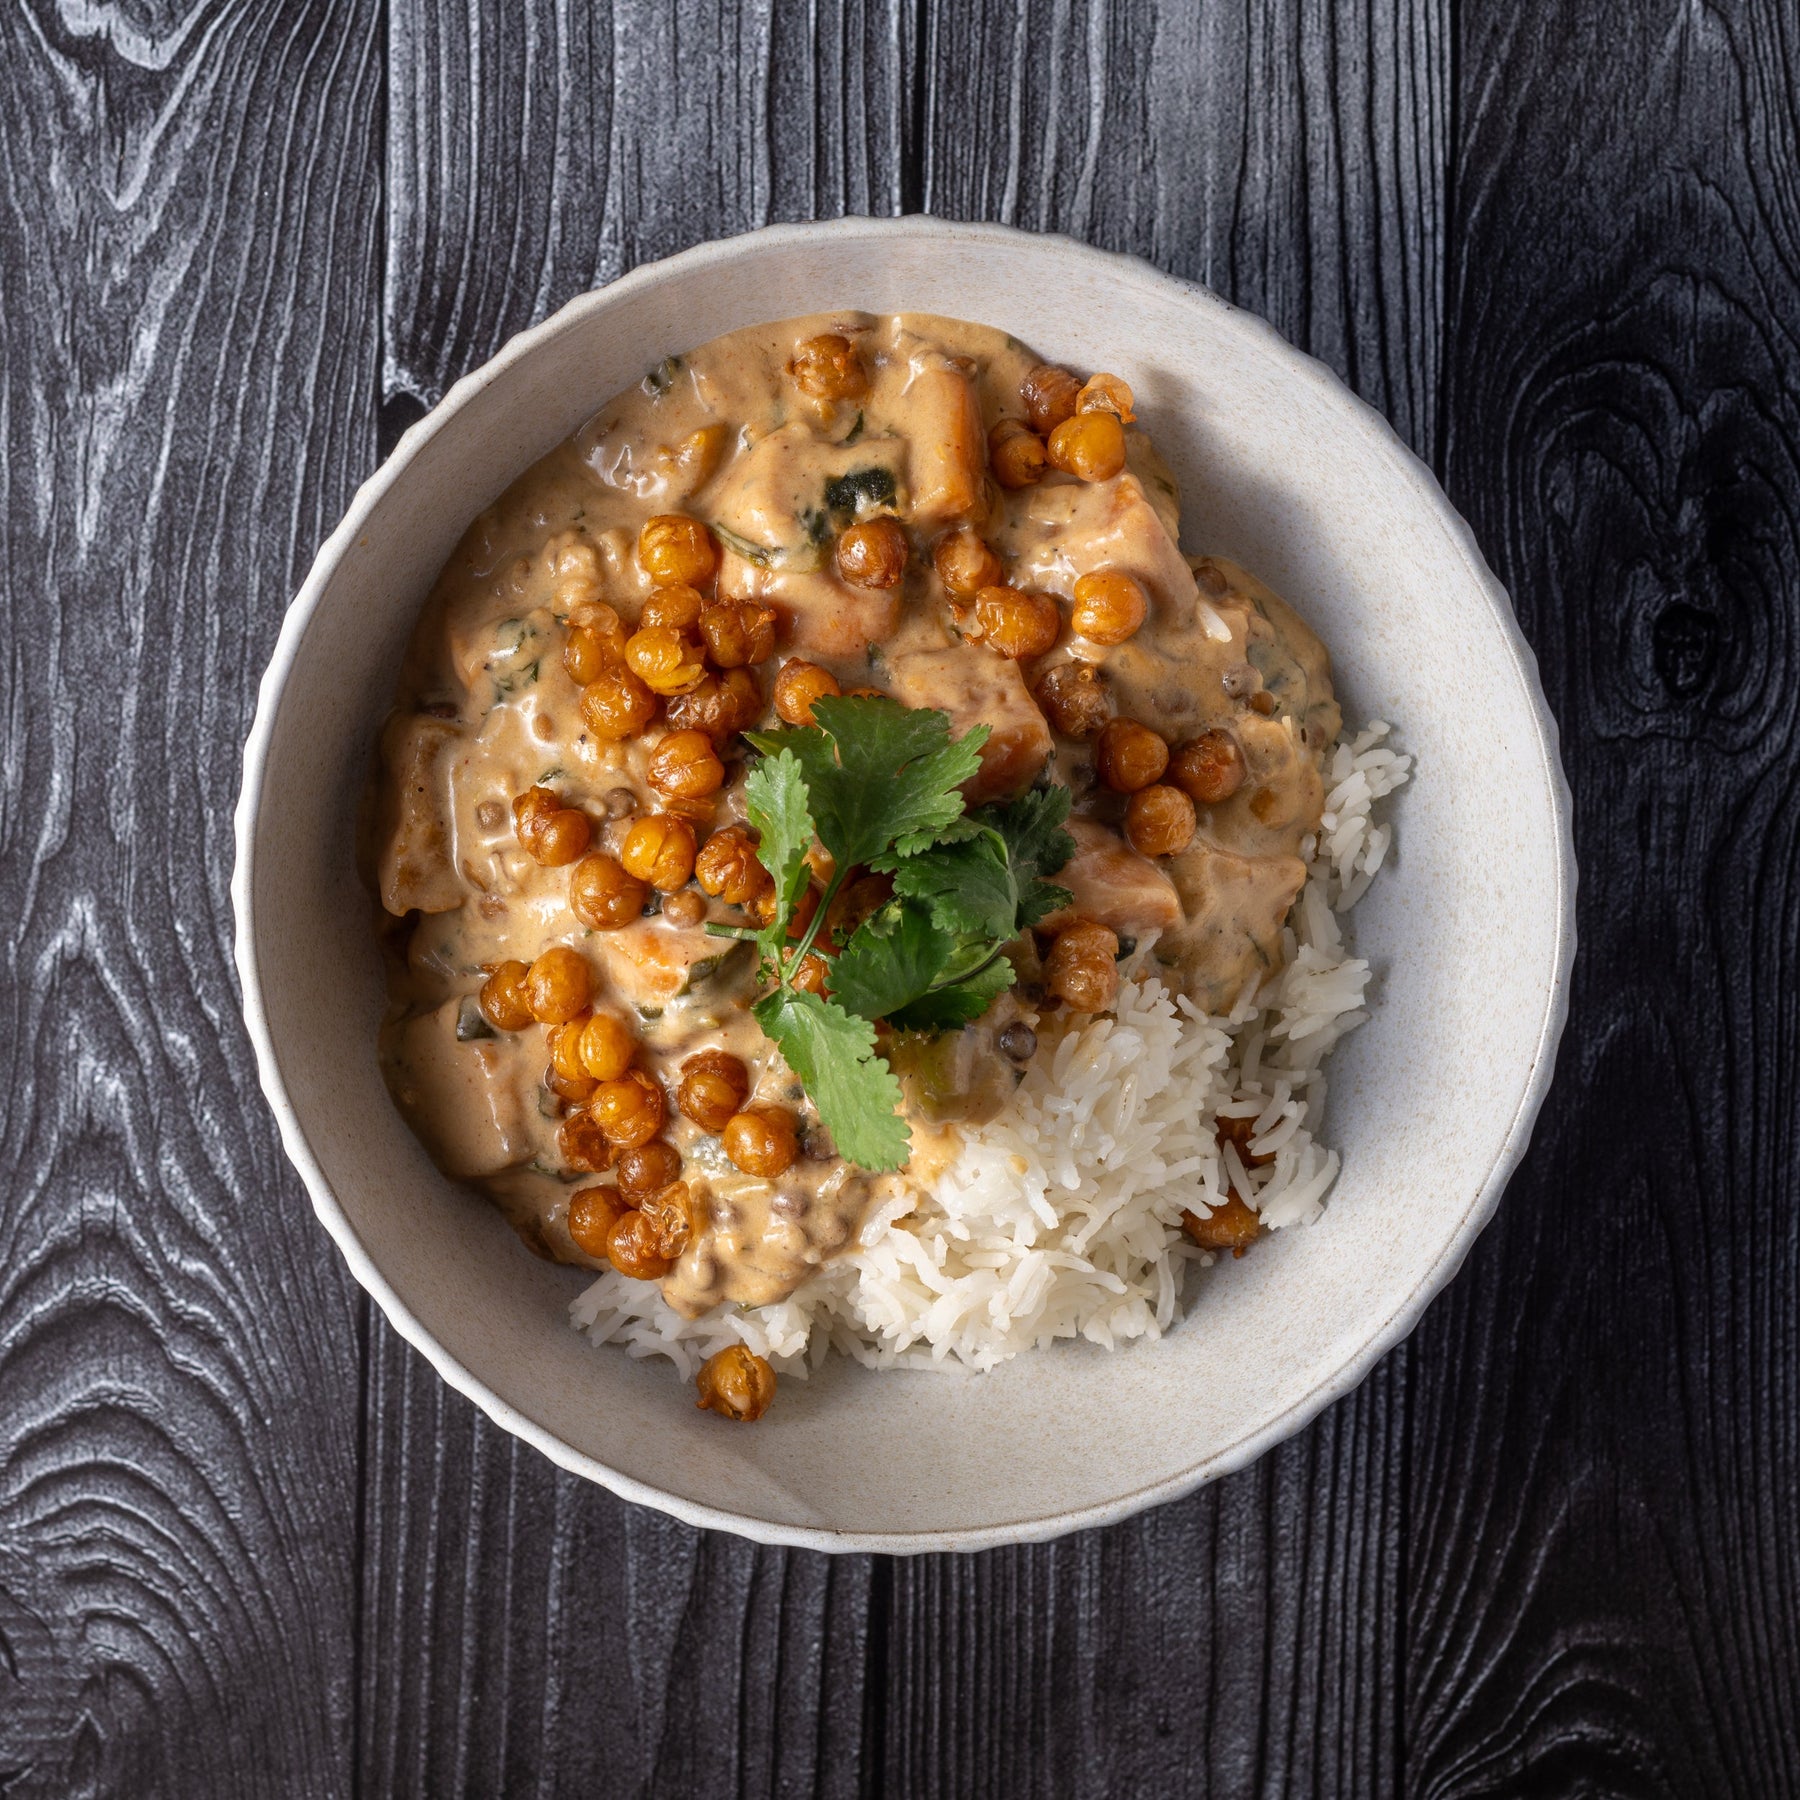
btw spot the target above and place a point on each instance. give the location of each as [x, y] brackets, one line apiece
[1604, 1560]
[186, 198]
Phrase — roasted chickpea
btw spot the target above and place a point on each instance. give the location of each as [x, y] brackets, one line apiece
[648, 1170]
[532, 811]
[659, 849]
[602, 895]
[736, 1384]
[634, 1248]
[738, 633]
[1075, 699]
[593, 1212]
[856, 901]
[1090, 446]
[828, 368]
[685, 909]
[728, 869]
[559, 984]
[1231, 1226]
[720, 705]
[686, 765]
[802, 915]
[577, 1090]
[762, 1140]
[966, 562]
[563, 837]
[606, 1046]
[1209, 769]
[1106, 393]
[1109, 606]
[669, 1212]
[593, 645]
[631, 1110]
[615, 705]
[664, 660]
[564, 1042]
[1015, 454]
[582, 1145]
[1129, 756]
[798, 685]
[1239, 1130]
[1159, 821]
[505, 997]
[713, 1086]
[873, 554]
[1049, 394]
[1082, 969]
[813, 973]
[674, 548]
[1016, 623]
[677, 606]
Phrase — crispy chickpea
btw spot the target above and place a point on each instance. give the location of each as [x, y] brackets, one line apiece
[686, 765]
[1049, 393]
[966, 562]
[1239, 1131]
[659, 849]
[606, 1046]
[1106, 393]
[648, 1170]
[728, 869]
[735, 1383]
[1016, 623]
[674, 548]
[564, 1042]
[677, 606]
[1231, 1226]
[664, 659]
[873, 554]
[1090, 446]
[578, 1090]
[738, 633]
[1109, 606]
[615, 705]
[593, 645]
[1159, 821]
[798, 685]
[813, 973]
[685, 909]
[720, 705]
[532, 811]
[634, 1250]
[669, 1212]
[714, 1085]
[856, 901]
[631, 1110]
[1082, 968]
[1209, 769]
[602, 895]
[802, 915]
[1075, 699]
[582, 1144]
[559, 984]
[762, 1140]
[593, 1212]
[505, 999]
[554, 834]
[1015, 454]
[828, 368]
[1129, 756]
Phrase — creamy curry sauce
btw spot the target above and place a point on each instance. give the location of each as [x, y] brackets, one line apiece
[485, 710]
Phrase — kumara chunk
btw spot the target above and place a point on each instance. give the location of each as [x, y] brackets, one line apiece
[416, 856]
[979, 690]
[1235, 908]
[472, 1094]
[949, 449]
[1114, 885]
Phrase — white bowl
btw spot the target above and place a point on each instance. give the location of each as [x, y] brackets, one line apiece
[1471, 930]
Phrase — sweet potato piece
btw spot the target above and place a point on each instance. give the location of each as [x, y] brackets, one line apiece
[979, 690]
[949, 450]
[1114, 885]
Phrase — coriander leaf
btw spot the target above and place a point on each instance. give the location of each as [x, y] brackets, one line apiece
[1036, 846]
[892, 958]
[833, 1053]
[776, 800]
[878, 771]
[946, 1007]
[969, 887]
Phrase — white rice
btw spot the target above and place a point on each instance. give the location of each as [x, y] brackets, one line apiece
[1061, 1218]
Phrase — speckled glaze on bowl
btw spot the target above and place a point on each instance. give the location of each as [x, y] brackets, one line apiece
[1432, 1102]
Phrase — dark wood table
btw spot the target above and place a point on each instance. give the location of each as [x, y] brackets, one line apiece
[249, 1543]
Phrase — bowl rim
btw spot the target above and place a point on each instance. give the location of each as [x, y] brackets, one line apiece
[1382, 441]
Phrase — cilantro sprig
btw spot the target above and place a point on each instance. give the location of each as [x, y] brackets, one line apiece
[877, 784]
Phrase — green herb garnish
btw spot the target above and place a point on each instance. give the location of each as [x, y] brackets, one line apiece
[875, 485]
[877, 784]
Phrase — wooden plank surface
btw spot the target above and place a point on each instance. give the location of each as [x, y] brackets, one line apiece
[249, 1543]
[187, 200]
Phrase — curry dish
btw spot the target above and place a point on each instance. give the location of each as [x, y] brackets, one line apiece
[967, 562]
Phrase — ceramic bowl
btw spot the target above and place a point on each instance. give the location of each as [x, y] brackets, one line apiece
[1470, 930]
